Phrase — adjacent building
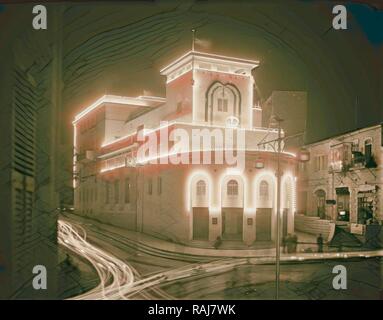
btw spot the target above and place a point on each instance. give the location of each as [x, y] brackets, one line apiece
[343, 179]
[194, 165]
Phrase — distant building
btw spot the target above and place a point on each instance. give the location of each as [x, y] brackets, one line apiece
[291, 106]
[28, 197]
[183, 202]
[343, 180]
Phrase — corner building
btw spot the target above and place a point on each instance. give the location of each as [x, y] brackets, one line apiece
[187, 202]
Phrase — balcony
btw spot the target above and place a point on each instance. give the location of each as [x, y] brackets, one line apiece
[346, 156]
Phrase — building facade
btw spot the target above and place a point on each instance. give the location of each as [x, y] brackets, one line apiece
[343, 179]
[194, 165]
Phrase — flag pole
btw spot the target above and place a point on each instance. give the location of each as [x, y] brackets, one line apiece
[193, 38]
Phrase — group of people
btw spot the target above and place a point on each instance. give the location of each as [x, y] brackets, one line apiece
[290, 243]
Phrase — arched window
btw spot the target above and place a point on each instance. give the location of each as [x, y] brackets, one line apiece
[264, 190]
[232, 188]
[201, 188]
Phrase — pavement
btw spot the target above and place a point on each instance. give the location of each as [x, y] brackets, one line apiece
[227, 249]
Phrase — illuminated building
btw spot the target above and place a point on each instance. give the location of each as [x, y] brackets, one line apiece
[191, 201]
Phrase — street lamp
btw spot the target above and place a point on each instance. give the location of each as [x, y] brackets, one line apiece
[275, 122]
[303, 156]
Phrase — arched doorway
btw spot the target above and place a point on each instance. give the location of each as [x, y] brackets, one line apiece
[264, 190]
[232, 209]
[320, 200]
[200, 207]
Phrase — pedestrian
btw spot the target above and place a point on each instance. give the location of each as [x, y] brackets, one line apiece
[320, 243]
[217, 242]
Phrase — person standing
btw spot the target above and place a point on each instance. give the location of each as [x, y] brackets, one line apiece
[217, 242]
[320, 243]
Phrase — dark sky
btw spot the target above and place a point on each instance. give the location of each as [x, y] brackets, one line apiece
[119, 48]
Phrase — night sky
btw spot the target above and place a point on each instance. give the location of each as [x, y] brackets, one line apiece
[119, 48]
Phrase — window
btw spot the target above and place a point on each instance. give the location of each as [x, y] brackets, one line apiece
[159, 185]
[117, 191]
[201, 188]
[232, 188]
[264, 189]
[320, 162]
[150, 186]
[368, 150]
[222, 104]
[127, 190]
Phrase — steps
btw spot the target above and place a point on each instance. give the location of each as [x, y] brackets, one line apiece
[313, 225]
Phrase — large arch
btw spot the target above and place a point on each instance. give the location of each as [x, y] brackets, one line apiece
[229, 92]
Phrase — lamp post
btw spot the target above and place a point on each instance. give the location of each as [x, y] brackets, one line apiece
[303, 156]
[275, 121]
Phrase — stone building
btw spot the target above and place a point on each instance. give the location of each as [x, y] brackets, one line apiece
[343, 179]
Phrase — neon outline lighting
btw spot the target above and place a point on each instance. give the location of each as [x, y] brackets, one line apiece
[138, 101]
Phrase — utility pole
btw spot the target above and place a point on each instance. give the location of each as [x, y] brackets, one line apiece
[193, 38]
[275, 122]
[278, 238]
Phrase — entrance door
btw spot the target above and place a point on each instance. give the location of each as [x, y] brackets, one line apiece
[284, 221]
[263, 224]
[321, 203]
[200, 223]
[232, 223]
[343, 203]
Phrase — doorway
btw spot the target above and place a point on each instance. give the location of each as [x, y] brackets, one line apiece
[232, 223]
[263, 224]
[321, 203]
[200, 223]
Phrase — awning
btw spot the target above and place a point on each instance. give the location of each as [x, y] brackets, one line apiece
[367, 188]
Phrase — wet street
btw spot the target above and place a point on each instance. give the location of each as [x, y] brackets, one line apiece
[302, 280]
[182, 276]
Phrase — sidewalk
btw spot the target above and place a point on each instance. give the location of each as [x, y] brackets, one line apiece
[177, 248]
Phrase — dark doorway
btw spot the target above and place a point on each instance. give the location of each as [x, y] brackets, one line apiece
[285, 217]
[263, 224]
[232, 223]
[343, 203]
[321, 203]
[200, 223]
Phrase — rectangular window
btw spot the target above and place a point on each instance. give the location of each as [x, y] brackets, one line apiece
[117, 191]
[222, 104]
[368, 151]
[150, 186]
[127, 190]
[320, 163]
[219, 104]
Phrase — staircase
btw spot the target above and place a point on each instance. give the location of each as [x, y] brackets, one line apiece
[314, 225]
